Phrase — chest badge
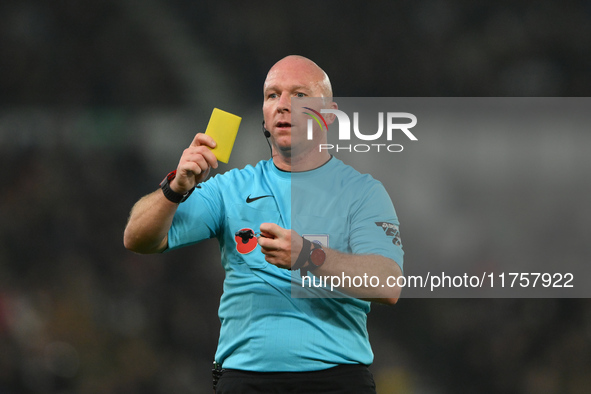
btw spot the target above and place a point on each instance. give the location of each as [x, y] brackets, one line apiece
[246, 241]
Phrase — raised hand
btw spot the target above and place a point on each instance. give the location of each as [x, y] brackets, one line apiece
[195, 164]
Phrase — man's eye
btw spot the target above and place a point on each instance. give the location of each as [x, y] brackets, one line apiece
[272, 95]
[300, 95]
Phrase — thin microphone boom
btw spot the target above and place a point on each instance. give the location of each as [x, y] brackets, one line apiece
[267, 134]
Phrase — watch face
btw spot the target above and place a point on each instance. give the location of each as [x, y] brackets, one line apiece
[171, 176]
[317, 257]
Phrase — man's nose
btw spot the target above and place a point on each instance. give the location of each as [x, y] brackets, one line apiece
[284, 103]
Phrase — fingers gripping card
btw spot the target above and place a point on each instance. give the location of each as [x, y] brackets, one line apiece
[223, 127]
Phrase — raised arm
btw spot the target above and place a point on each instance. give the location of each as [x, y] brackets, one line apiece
[151, 217]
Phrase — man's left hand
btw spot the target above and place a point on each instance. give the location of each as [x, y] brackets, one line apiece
[280, 246]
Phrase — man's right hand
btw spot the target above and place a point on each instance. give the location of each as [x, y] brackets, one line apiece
[195, 164]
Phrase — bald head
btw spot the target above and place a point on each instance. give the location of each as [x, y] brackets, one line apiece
[304, 70]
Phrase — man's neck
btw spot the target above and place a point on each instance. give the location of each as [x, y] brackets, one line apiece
[299, 163]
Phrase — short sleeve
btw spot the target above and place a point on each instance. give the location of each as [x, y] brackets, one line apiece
[198, 218]
[375, 226]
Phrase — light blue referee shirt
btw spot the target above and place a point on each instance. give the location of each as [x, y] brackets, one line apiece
[264, 328]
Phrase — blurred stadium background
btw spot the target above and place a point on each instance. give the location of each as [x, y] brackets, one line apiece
[98, 99]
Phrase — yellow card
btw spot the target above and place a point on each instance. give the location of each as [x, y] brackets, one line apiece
[223, 127]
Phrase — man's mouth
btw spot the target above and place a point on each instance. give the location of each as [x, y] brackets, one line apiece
[283, 125]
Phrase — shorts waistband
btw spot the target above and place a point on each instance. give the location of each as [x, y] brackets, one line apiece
[337, 370]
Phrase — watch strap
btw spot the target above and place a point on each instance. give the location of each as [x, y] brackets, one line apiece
[170, 194]
[303, 256]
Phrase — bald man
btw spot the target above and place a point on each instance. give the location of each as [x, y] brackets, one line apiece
[300, 214]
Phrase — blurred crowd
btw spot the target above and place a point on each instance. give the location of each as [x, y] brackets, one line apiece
[94, 53]
[79, 53]
[410, 48]
[80, 314]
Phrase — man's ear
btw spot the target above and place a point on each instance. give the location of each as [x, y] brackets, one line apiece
[331, 117]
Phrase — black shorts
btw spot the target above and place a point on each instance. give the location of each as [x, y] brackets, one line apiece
[341, 379]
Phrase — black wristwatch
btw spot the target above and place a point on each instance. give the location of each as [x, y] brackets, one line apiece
[317, 256]
[170, 194]
[311, 253]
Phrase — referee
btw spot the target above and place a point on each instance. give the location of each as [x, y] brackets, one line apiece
[300, 213]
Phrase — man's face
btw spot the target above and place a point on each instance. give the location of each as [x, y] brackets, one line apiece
[287, 80]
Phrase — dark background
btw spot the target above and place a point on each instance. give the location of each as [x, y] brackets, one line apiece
[97, 101]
